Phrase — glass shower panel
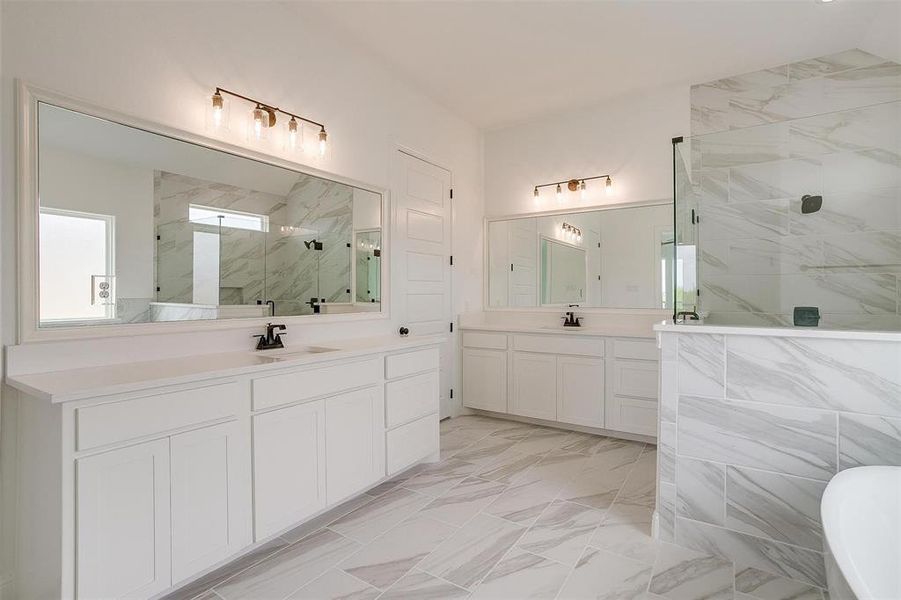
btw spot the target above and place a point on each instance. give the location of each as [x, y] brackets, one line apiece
[793, 223]
[684, 269]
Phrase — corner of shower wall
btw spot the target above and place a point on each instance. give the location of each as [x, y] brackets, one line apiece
[827, 128]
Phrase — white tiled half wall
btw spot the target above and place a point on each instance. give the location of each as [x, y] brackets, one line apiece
[753, 427]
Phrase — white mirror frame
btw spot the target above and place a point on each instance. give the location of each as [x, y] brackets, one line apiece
[486, 264]
[28, 275]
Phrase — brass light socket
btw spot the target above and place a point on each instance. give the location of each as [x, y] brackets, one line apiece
[572, 185]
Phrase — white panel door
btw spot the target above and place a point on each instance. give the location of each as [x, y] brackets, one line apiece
[534, 385]
[580, 390]
[211, 497]
[523, 243]
[485, 379]
[421, 256]
[288, 466]
[123, 538]
[354, 441]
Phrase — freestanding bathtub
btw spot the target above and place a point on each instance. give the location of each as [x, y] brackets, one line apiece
[861, 511]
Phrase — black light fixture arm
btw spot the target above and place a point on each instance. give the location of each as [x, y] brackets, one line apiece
[269, 108]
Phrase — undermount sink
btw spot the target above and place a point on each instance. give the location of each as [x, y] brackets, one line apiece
[292, 353]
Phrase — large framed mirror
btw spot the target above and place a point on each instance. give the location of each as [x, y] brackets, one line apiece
[136, 226]
[612, 257]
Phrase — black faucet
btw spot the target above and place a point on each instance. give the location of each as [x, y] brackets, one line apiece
[571, 320]
[271, 340]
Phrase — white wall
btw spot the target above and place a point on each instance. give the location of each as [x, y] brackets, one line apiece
[161, 61]
[629, 138]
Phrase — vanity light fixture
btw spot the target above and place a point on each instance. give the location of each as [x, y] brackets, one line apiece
[574, 185]
[265, 117]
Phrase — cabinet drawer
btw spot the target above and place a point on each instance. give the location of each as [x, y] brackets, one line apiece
[129, 419]
[635, 378]
[311, 383]
[491, 341]
[411, 442]
[409, 363]
[633, 415]
[638, 349]
[407, 399]
[550, 344]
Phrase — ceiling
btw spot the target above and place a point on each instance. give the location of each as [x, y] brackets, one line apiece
[503, 62]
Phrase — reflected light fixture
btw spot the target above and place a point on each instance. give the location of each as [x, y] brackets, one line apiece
[265, 116]
[322, 141]
[218, 108]
[258, 122]
[574, 185]
[292, 133]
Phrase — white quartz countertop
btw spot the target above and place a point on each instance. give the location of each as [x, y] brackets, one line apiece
[78, 384]
[608, 330]
[800, 332]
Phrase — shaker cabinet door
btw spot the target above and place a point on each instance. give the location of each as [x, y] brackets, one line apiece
[288, 466]
[211, 497]
[123, 545]
[534, 385]
[580, 390]
[354, 439]
[485, 379]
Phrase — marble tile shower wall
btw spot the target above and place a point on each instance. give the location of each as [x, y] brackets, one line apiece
[751, 430]
[253, 265]
[827, 127]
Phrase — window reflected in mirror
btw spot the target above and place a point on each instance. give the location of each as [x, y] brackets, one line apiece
[138, 227]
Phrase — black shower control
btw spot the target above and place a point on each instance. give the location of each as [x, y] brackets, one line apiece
[810, 204]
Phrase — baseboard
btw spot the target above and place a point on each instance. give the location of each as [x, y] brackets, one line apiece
[635, 437]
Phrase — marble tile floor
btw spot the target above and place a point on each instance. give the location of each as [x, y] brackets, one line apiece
[511, 511]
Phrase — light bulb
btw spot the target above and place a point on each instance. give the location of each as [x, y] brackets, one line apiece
[258, 122]
[535, 194]
[292, 133]
[582, 192]
[559, 193]
[218, 106]
[609, 186]
[322, 140]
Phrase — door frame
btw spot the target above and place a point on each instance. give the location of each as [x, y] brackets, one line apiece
[455, 376]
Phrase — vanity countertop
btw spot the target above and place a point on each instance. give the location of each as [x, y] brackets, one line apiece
[78, 384]
[609, 330]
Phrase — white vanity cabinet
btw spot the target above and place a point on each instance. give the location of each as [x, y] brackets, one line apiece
[602, 382]
[131, 493]
[153, 512]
